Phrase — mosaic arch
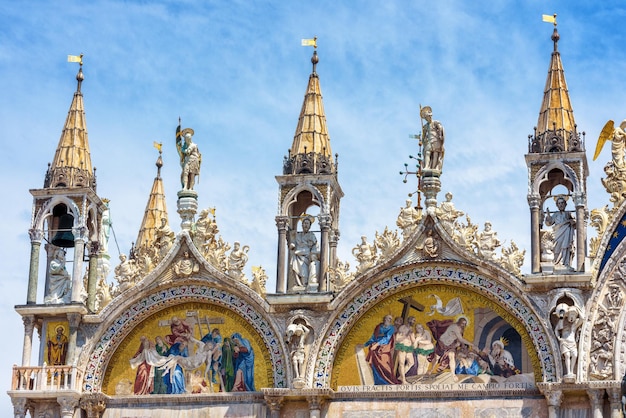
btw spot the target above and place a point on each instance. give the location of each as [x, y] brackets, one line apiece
[501, 306]
[151, 316]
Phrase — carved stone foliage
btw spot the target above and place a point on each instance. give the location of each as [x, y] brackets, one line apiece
[259, 279]
[512, 259]
[599, 219]
[340, 275]
[388, 242]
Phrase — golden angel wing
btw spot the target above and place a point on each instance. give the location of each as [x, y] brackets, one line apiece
[605, 134]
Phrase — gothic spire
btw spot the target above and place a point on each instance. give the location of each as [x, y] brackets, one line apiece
[156, 210]
[556, 128]
[71, 166]
[310, 152]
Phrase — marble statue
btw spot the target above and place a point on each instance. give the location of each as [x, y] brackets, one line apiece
[125, 273]
[447, 213]
[387, 242]
[563, 227]
[60, 283]
[237, 260]
[408, 219]
[190, 157]
[204, 230]
[432, 139]
[164, 238]
[302, 247]
[296, 334]
[488, 242]
[365, 254]
[570, 318]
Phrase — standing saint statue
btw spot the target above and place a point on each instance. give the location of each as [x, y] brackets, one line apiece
[303, 253]
[432, 139]
[563, 226]
[190, 157]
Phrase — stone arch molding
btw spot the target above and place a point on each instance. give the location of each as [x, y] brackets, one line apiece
[46, 210]
[511, 300]
[134, 313]
[292, 196]
[570, 175]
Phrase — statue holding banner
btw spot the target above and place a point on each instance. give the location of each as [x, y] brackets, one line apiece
[190, 157]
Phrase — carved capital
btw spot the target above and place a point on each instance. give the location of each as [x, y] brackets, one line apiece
[74, 320]
[80, 234]
[315, 402]
[93, 404]
[36, 235]
[533, 201]
[274, 402]
[29, 323]
[615, 396]
[554, 397]
[325, 221]
[579, 199]
[94, 247]
[282, 223]
[68, 405]
[20, 407]
[596, 397]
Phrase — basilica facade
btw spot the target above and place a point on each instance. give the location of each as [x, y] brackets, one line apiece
[434, 319]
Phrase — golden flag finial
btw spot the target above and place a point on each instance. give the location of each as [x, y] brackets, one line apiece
[158, 146]
[310, 42]
[549, 18]
[75, 58]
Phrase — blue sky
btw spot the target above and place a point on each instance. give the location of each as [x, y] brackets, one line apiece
[235, 72]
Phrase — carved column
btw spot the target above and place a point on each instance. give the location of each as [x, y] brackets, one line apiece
[29, 324]
[325, 227]
[187, 208]
[333, 240]
[282, 223]
[20, 407]
[431, 185]
[80, 237]
[581, 231]
[36, 235]
[92, 279]
[615, 401]
[535, 239]
[74, 321]
[596, 397]
[68, 405]
[94, 404]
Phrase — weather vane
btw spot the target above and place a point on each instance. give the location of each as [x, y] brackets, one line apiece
[418, 168]
[76, 58]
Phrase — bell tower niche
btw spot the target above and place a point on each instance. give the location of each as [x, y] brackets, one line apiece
[310, 194]
[557, 175]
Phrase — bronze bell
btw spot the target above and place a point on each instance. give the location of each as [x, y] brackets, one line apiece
[64, 237]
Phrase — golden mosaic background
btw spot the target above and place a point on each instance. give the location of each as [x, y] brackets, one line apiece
[119, 368]
[345, 372]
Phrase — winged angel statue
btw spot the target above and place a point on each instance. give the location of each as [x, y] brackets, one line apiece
[615, 181]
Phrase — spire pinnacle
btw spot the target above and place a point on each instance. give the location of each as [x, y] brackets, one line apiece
[556, 128]
[156, 209]
[71, 166]
[310, 152]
